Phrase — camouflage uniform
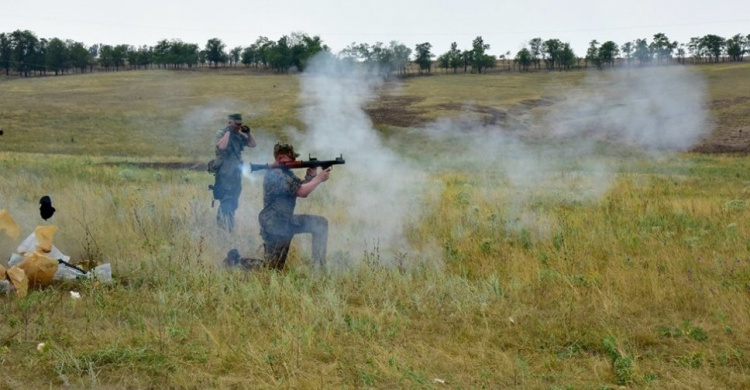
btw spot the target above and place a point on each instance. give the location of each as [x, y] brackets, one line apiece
[228, 184]
[278, 223]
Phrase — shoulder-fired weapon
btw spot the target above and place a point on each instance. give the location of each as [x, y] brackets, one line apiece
[311, 163]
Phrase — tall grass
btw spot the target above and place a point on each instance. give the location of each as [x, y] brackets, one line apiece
[644, 287]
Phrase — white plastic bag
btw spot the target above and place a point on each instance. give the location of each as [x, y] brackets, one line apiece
[15, 258]
[29, 245]
[65, 272]
[102, 273]
[6, 286]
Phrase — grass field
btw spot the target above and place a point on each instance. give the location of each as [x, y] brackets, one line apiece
[541, 231]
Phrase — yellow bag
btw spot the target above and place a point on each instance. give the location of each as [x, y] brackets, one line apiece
[39, 269]
[18, 278]
[44, 236]
[9, 225]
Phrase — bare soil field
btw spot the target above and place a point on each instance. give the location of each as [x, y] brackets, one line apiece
[405, 111]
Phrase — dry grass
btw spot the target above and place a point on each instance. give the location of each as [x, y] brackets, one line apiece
[645, 286]
[138, 113]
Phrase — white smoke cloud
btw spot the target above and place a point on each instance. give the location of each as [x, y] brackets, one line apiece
[569, 148]
[656, 108]
[377, 192]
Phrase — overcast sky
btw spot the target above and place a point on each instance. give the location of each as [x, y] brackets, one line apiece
[504, 25]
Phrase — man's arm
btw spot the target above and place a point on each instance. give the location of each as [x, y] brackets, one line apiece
[223, 142]
[308, 187]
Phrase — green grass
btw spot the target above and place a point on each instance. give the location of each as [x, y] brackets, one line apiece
[644, 284]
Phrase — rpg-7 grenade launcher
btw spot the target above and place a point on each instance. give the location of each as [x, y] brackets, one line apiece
[311, 163]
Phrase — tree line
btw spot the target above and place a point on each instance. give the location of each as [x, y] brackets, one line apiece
[24, 54]
[661, 50]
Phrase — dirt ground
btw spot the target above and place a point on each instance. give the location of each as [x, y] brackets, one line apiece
[730, 140]
[399, 111]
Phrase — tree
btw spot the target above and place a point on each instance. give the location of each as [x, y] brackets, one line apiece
[145, 56]
[131, 56]
[455, 57]
[628, 48]
[161, 53]
[736, 47]
[451, 58]
[401, 55]
[6, 51]
[24, 47]
[714, 45]
[250, 55]
[592, 54]
[94, 55]
[58, 56]
[279, 55]
[695, 48]
[681, 53]
[443, 61]
[566, 57]
[39, 57]
[380, 59]
[304, 48]
[263, 46]
[424, 56]
[552, 49]
[662, 47]
[480, 58]
[215, 52]
[355, 52]
[524, 59]
[535, 46]
[642, 52]
[80, 56]
[119, 55]
[106, 56]
[234, 55]
[202, 57]
[467, 58]
[608, 52]
[184, 53]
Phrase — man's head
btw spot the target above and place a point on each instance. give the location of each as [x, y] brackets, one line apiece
[281, 149]
[236, 118]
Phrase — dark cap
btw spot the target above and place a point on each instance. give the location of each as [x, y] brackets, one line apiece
[284, 149]
[235, 117]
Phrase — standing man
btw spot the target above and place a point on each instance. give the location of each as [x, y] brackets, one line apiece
[229, 144]
[278, 223]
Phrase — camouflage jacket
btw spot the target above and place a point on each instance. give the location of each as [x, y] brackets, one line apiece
[279, 200]
[237, 143]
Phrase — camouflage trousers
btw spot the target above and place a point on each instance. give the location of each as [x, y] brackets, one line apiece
[225, 214]
[277, 247]
[227, 189]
